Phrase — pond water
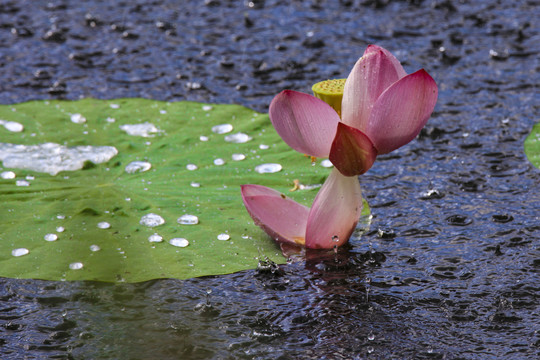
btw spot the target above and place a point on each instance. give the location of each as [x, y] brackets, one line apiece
[449, 269]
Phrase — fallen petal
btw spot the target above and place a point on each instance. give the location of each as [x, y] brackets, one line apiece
[279, 216]
[373, 73]
[402, 111]
[335, 212]
[352, 152]
[305, 123]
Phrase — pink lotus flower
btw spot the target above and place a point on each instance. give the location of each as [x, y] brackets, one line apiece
[382, 109]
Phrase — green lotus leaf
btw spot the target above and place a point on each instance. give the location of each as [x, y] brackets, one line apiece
[532, 145]
[137, 157]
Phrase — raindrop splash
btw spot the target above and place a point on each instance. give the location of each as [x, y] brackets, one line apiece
[188, 219]
[138, 166]
[268, 168]
[335, 240]
[152, 220]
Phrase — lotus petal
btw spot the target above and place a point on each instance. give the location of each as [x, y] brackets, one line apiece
[373, 73]
[352, 152]
[402, 111]
[279, 216]
[335, 212]
[305, 123]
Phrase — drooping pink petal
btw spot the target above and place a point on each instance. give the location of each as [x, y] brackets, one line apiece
[335, 212]
[352, 152]
[279, 216]
[375, 71]
[402, 111]
[305, 123]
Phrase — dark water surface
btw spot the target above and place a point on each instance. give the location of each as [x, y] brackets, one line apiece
[450, 268]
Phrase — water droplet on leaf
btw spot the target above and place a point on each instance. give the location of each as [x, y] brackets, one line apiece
[219, 162]
[180, 242]
[8, 175]
[223, 237]
[12, 126]
[50, 237]
[238, 138]
[326, 163]
[94, 248]
[238, 157]
[22, 183]
[191, 167]
[76, 266]
[268, 168]
[103, 225]
[78, 119]
[222, 128]
[138, 166]
[188, 219]
[19, 252]
[145, 130]
[155, 238]
[152, 220]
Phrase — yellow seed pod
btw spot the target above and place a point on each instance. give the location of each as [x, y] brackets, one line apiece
[331, 92]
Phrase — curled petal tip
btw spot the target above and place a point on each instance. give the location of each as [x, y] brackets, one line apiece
[352, 151]
[279, 216]
[401, 111]
[305, 123]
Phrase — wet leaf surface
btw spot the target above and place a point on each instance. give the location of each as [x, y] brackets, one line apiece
[172, 174]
